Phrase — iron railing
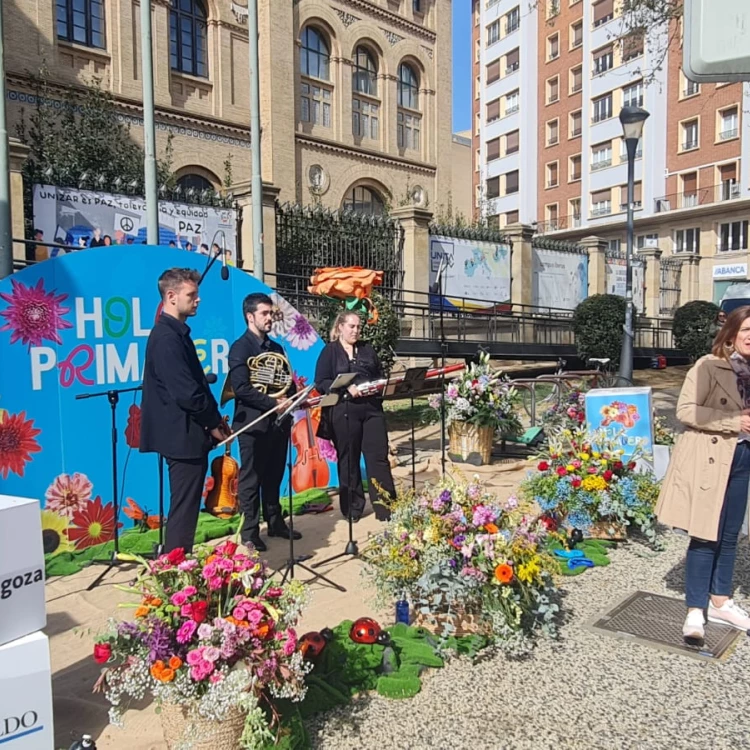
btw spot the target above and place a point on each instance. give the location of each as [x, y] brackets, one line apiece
[704, 196]
[308, 238]
[544, 243]
[670, 275]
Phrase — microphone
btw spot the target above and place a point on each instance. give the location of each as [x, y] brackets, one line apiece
[211, 378]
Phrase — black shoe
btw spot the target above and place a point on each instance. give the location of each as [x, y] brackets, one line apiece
[282, 530]
[255, 541]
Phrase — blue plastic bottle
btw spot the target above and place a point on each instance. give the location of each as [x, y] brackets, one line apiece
[402, 611]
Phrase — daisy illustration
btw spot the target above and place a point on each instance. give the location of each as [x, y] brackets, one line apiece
[17, 443]
[55, 534]
[95, 524]
[301, 335]
[34, 314]
[283, 316]
[67, 494]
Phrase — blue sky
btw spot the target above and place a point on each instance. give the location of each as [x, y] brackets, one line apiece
[461, 65]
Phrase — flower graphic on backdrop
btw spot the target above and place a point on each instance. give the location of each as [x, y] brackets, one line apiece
[95, 524]
[301, 335]
[55, 533]
[34, 314]
[17, 443]
[282, 316]
[326, 449]
[133, 427]
[67, 494]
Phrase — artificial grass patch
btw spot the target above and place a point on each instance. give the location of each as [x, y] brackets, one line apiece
[595, 550]
[134, 541]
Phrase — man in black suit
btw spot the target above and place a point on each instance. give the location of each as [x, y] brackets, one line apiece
[179, 416]
[263, 448]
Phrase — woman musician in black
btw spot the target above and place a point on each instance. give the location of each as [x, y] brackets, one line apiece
[366, 431]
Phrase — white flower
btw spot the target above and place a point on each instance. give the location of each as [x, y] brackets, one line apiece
[283, 316]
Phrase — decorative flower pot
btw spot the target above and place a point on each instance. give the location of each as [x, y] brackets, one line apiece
[183, 726]
[470, 444]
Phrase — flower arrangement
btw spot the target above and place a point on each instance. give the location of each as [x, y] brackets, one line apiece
[454, 548]
[210, 633]
[482, 397]
[583, 481]
[663, 434]
[568, 414]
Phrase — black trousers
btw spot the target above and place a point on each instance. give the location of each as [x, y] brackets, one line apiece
[365, 434]
[186, 481]
[263, 458]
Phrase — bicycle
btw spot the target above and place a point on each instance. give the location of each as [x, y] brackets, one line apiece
[607, 376]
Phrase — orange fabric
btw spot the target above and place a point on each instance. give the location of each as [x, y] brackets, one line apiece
[343, 283]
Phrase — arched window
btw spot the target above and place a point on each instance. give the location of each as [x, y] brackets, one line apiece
[195, 181]
[315, 63]
[408, 87]
[81, 21]
[365, 106]
[409, 121]
[364, 200]
[187, 37]
[315, 57]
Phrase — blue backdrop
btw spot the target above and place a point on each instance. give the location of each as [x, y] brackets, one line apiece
[78, 324]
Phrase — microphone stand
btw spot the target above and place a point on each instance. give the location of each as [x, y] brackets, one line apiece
[443, 348]
[113, 396]
[211, 261]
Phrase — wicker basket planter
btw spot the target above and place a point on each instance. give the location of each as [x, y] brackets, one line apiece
[470, 444]
[612, 530]
[463, 623]
[186, 728]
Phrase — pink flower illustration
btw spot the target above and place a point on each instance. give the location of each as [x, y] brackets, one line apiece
[326, 449]
[68, 494]
[34, 314]
[301, 335]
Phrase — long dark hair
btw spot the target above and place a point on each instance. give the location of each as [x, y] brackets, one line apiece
[724, 341]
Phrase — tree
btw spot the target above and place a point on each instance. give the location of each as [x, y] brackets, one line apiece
[82, 138]
[598, 326]
[694, 327]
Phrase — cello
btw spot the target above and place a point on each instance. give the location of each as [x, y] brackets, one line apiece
[310, 470]
[222, 498]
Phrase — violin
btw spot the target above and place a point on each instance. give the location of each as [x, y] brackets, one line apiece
[222, 498]
[310, 469]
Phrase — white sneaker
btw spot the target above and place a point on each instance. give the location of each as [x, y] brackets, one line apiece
[693, 630]
[729, 614]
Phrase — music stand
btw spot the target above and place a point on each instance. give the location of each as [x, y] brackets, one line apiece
[339, 392]
[298, 560]
[413, 381]
[113, 396]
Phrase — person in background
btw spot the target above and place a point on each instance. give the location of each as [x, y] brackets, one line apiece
[715, 326]
[706, 485]
[357, 427]
[35, 252]
[107, 240]
[97, 240]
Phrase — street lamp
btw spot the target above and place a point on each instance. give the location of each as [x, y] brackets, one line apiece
[632, 119]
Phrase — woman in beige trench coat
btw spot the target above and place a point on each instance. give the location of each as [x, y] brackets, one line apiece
[706, 486]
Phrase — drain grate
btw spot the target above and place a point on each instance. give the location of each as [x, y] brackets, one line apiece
[655, 620]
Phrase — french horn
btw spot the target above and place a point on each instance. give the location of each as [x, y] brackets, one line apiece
[270, 373]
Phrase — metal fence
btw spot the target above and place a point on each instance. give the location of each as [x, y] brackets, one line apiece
[670, 275]
[311, 237]
[544, 243]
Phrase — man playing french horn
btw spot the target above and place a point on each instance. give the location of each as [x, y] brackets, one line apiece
[263, 447]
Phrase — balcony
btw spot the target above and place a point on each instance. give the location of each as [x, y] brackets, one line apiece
[512, 68]
[727, 135]
[573, 221]
[601, 164]
[690, 145]
[512, 26]
[705, 196]
[604, 19]
[601, 209]
[636, 206]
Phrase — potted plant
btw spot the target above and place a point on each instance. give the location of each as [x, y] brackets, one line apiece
[478, 403]
[212, 640]
[583, 481]
[467, 562]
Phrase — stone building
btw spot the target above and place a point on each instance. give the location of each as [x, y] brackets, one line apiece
[355, 94]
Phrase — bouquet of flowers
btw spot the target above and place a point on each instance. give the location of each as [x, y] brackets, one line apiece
[569, 414]
[211, 633]
[583, 481]
[454, 548]
[482, 397]
[663, 434]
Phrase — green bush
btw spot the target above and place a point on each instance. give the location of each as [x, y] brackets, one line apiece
[383, 335]
[694, 327]
[597, 323]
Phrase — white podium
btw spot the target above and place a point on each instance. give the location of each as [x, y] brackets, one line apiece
[22, 605]
[26, 694]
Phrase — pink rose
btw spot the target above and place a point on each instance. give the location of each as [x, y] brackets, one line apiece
[195, 657]
[187, 565]
[216, 677]
[186, 631]
[179, 598]
[211, 654]
[190, 590]
[209, 571]
[215, 583]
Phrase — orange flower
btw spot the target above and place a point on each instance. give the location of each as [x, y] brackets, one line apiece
[490, 528]
[504, 573]
[156, 602]
[167, 675]
[141, 611]
[262, 630]
[157, 669]
[175, 662]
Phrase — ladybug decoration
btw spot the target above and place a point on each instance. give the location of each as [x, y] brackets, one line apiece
[365, 630]
[311, 644]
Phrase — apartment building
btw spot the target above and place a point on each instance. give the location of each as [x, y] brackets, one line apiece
[355, 94]
[692, 172]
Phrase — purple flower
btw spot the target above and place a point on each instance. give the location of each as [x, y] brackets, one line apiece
[158, 641]
[483, 515]
[446, 496]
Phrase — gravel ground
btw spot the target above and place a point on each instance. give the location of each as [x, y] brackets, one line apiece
[584, 691]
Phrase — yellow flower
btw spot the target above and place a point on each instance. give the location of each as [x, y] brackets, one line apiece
[55, 533]
[584, 456]
[596, 454]
[527, 572]
[570, 468]
[594, 483]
